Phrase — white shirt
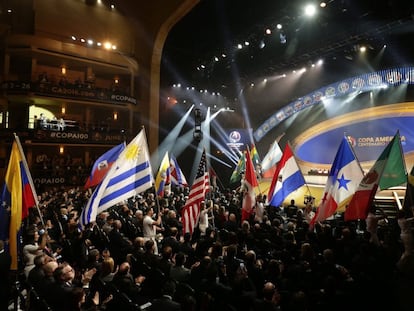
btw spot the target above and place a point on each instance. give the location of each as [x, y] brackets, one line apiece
[148, 228]
[203, 220]
[259, 212]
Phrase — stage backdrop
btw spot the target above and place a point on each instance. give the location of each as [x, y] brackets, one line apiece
[369, 130]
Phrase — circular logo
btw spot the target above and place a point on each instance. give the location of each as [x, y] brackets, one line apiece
[358, 83]
[352, 141]
[343, 87]
[235, 136]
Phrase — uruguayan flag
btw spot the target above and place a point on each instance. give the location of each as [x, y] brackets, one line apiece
[130, 175]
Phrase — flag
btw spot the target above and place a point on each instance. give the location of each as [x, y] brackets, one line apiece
[408, 204]
[271, 158]
[177, 177]
[239, 169]
[19, 195]
[102, 165]
[256, 161]
[255, 156]
[343, 179]
[162, 178]
[191, 209]
[130, 175]
[250, 181]
[287, 178]
[388, 171]
[213, 177]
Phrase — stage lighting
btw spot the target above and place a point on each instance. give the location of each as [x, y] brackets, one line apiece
[197, 115]
[198, 134]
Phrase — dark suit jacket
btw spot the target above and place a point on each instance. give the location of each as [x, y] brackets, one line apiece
[5, 262]
[165, 303]
[125, 283]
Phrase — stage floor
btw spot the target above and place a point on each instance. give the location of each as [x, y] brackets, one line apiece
[316, 187]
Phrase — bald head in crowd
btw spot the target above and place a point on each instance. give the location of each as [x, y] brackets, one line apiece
[50, 267]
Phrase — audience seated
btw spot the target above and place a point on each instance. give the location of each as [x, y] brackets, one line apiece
[274, 264]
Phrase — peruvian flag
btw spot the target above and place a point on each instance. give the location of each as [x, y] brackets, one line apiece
[250, 181]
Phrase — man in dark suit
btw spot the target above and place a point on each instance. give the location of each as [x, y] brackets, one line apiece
[172, 240]
[270, 300]
[165, 302]
[5, 264]
[37, 274]
[119, 245]
[179, 272]
[125, 283]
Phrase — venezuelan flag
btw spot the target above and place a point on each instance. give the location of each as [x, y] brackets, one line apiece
[19, 195]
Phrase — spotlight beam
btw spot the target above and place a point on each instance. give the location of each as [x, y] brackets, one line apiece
[170, 140]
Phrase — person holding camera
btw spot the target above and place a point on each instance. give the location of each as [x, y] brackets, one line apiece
[36, 243]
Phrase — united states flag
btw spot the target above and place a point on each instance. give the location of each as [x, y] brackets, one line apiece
[191, 209]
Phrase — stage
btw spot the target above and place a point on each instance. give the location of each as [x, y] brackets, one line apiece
[315, 187]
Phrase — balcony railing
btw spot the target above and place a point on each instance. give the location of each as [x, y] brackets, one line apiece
[69, 91]
[81, 137]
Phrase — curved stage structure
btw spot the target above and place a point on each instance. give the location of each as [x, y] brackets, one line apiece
[345, 88]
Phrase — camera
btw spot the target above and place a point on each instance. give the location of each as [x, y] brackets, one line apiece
[58, 258]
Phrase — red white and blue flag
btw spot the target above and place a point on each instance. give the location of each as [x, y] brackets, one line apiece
[286, 179]
[102, 165]
[201, 185]
[177, 177]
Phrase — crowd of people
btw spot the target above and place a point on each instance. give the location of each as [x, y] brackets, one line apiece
[135, 256]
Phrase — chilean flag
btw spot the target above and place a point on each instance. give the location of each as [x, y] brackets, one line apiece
[102, 165]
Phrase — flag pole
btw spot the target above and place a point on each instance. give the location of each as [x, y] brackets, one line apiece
[29, 176]
[353, 152]
[294, 156]
[402, 152]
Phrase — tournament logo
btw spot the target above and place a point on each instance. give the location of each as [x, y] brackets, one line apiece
[352, 141]
[234, 136]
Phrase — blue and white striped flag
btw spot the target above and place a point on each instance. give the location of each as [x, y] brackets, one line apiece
[130, 175]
